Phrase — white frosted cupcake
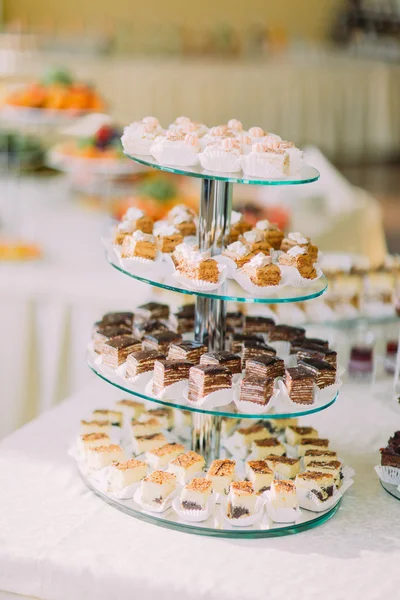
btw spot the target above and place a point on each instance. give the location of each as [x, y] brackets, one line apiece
[265, 162]
[139, 136]
[176, 149]
[223, 156]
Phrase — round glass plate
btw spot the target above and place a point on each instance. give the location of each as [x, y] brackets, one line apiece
[307, 174]
[109, 375]
[229, 290]
[215, 526]
[391, 489]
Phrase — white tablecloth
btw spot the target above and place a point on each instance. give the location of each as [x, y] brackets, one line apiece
[58, 541]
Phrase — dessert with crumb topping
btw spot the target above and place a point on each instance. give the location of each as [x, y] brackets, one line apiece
[99, 457]
[160, 457]
[186, 465]
[156, 487]
[195, 494]
[127, 472]
[316, 483]
[221, 474]
[260, 475]
[283, 494]
[242, 500]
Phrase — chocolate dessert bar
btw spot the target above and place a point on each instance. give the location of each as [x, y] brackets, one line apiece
[323, 373]
[225, 359]
[300, 385]
[205, 379]
[105, 333]
[254, 350]
[183, 319]
[257, 390]
[117, 318]
[142, 362]
[237, 339]
[286, 333]
[147, 327]
[187, 350]
[234, 319]
[152, 310]
[265, 367]
[314, 351]
[167, 372]
[390, 458]
[307, 340]
[116, 350]
[161, 341]
[257, 324]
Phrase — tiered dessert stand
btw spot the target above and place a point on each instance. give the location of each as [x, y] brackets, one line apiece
[210, 310]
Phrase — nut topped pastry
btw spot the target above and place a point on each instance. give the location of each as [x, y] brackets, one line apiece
[186, 465]
[194, 264]
[195, 494]
[162, 456]
[99, 457]
[242, 499]
[283, 494]
[260, 475]
[260, 449]
[262, 271]
[221, 474]
[294, 434]
[125, 473]
[319, 484]
[157, 486]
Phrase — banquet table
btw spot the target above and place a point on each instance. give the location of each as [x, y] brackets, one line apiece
[58, 541]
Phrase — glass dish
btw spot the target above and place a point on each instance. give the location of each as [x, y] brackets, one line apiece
[307, 174]
[391, 489]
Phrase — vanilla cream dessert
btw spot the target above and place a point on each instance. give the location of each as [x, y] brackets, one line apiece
[139, 428]
[127, 472]
[131, 409]
[319, 456]
[115, 416]
[295, 434]
[311, 444]
[221, 473]
[332, 467]
[260, 449]
[260, 475]
[186, 465]
[242, 500]
[245, 436]
[295, 156]
[283, 467]
[156, 487]
[283, 494]
[222, 156]
[160, 457]
[265, 162]
[139, 136]
[176, 148]
[245, 142]
[146, 443]
[99, 457]
[195, 494]
[316, 483]
[91, 440]
[96, 426]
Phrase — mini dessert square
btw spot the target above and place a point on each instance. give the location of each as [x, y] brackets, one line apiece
[221, 474]
[242, 500]
[145, 443]
[142, 361]
[262, 271]
[168, 372]
[300, 385]
[238, 226]
[234, 319]
[196, 265]
[207, 379]
[184, 222]
[238, 252]
[132, 409]
[238, 339]
[157, 486]
[316, 483]
[260, 449]
[195, 494]
[90, 440]
[185, 466]
[125, 473]
[116, 350]
[279, 425]
[255, 240]
[300, 259]
[133, 220]
[117, 318]
[168, 238]
[293, 239]
[99, 457]
[294, 434]
[318, 352]
[143, 328]
[311, 444]
[260, 475]
[271, 232]
[265, 366]
[332, 467]
[257, 324]
[106, 333]
[244, 436]
[96, 426]
[183, 319]
[390, 457]
[160, 457]
[286, 333]
[152, 311]
[161, 341]
[324, 374]
[187, 350]
[256, 389]
[164, 415]
[283, 494]
[314, 341]
[139, 245]
[255, 350]
[141, 428]
[283, 467]
[223, 358]
[318, 456]
[115, 416]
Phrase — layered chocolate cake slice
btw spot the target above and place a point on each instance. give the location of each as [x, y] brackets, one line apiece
[143, 328]
[323, 373]
[254, 350]
[115, 351]
[161, 341]
[224, 358]
[152, 310]
[300, 385]
[265, 367]
[183, 319]
[257, 390]
[117, 318]
[257, 324]
[104, 333]
[206, 379]
[187, 350]
[168, 372]
[315, 351]
[142, 362]
[286, 333]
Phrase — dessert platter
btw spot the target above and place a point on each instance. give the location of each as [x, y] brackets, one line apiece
[389, 469]
[225, 454]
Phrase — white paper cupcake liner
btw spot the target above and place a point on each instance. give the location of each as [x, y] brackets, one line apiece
[197, 285]
[194, 516]
[220, 162]
[310, 502]
[140, 380]
[294, 279]
[138, 146]
[281, 515]
[327, 394]
[290, 361]
[140, 266]
[388, 474]
[229, 263]
[155, 509]
[282, 348]
[219, 398]
[284, 402]
[175, 157]
[176, 391]
[257, 290]
[125, 493]
[254, 166]
[252, 408]
[243, 521]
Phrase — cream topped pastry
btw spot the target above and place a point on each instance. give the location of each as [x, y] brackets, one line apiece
[235, 126]
[223, 156]
[191, 127]
[265, 162]
[295, 156]
[176, 148]
[139, 136]
[245, 142]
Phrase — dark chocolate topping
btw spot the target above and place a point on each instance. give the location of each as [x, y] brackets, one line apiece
[315, 363]
[122, 341]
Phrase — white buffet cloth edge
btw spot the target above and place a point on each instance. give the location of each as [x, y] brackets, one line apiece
[58, 541]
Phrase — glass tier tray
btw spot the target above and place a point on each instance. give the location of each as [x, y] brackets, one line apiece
[229, 290]
[285, 410]
[215, 526]
[391, 489]
[307, 174]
